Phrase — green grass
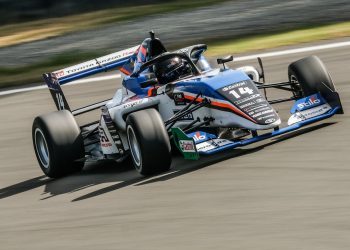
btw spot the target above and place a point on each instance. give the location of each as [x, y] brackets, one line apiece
[267, 41]
[30, 74]
[37, 30]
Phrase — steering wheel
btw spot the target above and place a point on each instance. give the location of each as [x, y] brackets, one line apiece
[163, 57]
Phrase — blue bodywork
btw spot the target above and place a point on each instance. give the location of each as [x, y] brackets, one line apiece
[201, 136]
[206, 84]
[307, 103]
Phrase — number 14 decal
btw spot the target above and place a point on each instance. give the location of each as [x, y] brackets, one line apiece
[60, 101]
[242, 91]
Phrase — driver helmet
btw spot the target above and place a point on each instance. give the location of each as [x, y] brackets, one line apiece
[171, 70]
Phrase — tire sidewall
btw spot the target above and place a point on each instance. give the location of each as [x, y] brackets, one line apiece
[153, 140]
[64, 143]
[137, 165]
[50, 170]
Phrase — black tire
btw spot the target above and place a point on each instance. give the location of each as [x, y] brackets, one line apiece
[148, 141]
[306, 76]
[58, 143]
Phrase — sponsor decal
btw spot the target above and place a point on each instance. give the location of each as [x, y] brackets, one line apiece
[256, 107]
[133, 103]
[249, 104]
[309, 113]
[81, 67]
[259, 100]
[262, 119]
[60, 101]
[266, 116]
[179, 99]
[200, 136]
[271, 120]
[98, 62]
[187, 146]
[307, 103]
[259, 110]
[115, 56]
[212, 144]
[188, 117]
[232, 86]
[105, 142]
[59, 73]
[310, 102]
[246, 97]
[112, 130]
[262, 113]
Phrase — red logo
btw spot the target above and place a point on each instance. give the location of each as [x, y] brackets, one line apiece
[59, 73]
[198, 137]
[187, 146]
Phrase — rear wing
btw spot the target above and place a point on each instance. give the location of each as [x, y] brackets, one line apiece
[57, 78]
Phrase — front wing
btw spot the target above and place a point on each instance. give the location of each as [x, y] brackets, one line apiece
[193, 144]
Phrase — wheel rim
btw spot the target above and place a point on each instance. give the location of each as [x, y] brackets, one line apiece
[298, 91]
[134, 147]
[42, 148]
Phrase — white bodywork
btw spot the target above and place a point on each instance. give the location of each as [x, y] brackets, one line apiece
[251, 72]
[124, 103]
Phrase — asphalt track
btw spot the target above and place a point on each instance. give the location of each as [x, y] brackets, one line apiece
[292, 192]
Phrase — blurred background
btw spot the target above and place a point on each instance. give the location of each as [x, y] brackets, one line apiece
[38, 36]
[29, 10]
[290, 192]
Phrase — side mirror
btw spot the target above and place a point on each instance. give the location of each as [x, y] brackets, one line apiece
[224, 60]
[149, 83]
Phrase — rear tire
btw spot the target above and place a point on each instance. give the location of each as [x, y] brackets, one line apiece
[148, 142]
[58, 143]
[306, 76]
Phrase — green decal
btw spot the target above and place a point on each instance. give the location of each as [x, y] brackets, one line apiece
[185, 144]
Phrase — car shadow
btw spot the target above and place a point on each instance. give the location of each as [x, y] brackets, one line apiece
[181, 167]
[24, 186]
[93, 174]
[123, 174]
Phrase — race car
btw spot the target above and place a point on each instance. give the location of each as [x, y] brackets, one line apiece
[175, 101]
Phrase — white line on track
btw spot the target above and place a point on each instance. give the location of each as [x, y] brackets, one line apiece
[237, 59]
[294, 51]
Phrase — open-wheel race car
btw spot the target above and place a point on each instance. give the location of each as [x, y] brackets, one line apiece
[175, 101]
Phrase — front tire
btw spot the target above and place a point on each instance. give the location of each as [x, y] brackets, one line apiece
[148, 142]
[306, 76]
[58, 143]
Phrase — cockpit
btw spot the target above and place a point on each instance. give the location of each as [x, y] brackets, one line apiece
[152, 61]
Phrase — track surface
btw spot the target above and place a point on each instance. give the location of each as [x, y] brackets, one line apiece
[289, 193]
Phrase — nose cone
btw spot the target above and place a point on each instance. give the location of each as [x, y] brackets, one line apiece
[242, 92]
[233, 91]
